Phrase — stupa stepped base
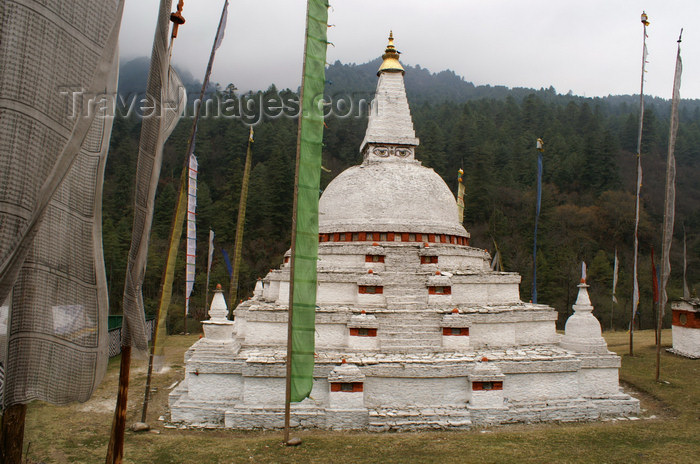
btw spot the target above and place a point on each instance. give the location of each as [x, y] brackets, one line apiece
[199, 413]
[407, 418]
[401, 391]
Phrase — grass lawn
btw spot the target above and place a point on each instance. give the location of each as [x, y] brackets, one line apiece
[668, 430]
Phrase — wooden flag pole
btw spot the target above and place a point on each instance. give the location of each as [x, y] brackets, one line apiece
[635, 290]
[115, 449]
[195, 123]
[288, 376]
[540, 151]
[12, 439]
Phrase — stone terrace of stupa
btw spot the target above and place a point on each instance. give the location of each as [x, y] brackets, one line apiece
[413, 328]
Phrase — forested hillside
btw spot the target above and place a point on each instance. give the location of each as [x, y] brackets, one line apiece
[587, 204]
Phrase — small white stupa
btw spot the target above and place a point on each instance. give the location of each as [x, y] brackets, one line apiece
[582, 332]
[413, 328]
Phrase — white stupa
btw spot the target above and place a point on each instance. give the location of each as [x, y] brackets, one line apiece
[413, 329]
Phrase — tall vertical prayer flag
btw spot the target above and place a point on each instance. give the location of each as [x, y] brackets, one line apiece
[227, 262]
[53, 288]
[165, 92]
[210, 257]
[460, 195]
[211, 253]
[240, 223]
[305, 234]
[670, 199]
[686, 291]
[614, 289]
[615, 270]
[178, 219]
[191, 230]
[635, 286]
[654, 279]
[669, 203]
[540, 150]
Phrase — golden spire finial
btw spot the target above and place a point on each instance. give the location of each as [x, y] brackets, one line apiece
[391, 57]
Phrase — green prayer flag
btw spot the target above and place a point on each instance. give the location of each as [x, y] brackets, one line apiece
[309, 177]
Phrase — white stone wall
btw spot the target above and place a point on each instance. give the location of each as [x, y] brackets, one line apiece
[456, 342]
[686, 340]
[541, 386]
[503, 293]
[492, 335]
[487, 399]
[398, 392]
[334, 261]
[265, 333]
[598, 383]
[369, 300]
[283, 294]
[214, 387]
[536, 333]
[448, 262]
[264, 391]
[376, 267]
[469, 294]
[331, 336]
[271, 290]
[363, 343]
[346, 400]
[331, 293]
[440, 300]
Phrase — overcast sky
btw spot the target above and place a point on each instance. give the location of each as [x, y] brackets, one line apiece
[592, 48]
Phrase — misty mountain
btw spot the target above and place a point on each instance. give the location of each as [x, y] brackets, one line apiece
[134, 73]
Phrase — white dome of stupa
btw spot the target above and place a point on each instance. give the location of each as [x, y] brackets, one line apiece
[390, 191]
[400, 196]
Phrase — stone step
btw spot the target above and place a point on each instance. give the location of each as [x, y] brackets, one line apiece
[400, 327]
[409, 318]
[408, 336]
[408, 329]
[384, 419]
[409, 343]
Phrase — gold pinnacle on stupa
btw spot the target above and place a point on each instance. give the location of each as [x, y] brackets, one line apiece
[391, 58]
